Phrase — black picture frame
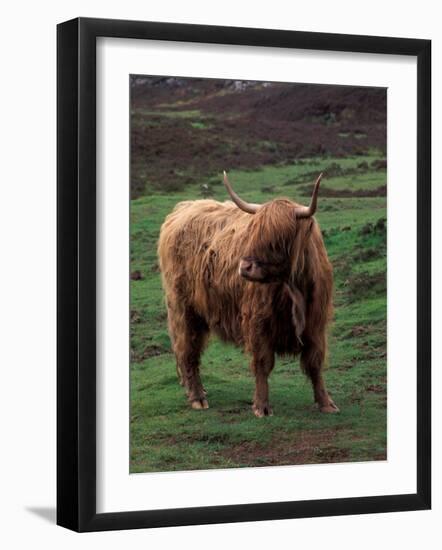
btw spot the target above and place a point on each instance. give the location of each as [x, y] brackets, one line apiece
[76, 273]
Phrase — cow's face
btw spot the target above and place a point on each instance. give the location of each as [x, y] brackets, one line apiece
[268, 242]
[267, 250]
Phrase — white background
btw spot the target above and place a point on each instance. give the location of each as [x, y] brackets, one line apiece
[27, 218]
[117, 490]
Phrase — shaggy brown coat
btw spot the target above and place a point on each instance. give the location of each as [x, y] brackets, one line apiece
[200, 247]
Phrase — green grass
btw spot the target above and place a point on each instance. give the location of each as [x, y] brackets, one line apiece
[167, 435]
[199, 125]
[152, 119]
[169, 114]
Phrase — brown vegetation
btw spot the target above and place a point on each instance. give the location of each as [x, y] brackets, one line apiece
[184, 130]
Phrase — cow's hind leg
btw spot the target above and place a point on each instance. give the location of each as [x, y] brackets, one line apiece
[312, 361]
[189, 333]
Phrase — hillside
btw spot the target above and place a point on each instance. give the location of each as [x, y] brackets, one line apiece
[274, 139]
[186, 131]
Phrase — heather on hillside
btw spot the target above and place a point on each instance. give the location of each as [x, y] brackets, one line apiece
[186, 130]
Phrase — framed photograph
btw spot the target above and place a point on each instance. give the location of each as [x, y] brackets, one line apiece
[243, 274]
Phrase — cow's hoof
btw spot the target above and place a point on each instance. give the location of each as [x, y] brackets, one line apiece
[262, 411]
[330, 408]
[200, 404]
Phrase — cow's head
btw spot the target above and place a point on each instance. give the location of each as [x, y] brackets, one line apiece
[268, 250]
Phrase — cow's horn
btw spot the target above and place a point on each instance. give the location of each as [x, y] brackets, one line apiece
[307, 211]
[246, 206]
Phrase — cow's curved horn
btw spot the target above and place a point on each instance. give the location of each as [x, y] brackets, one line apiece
[246, 206]
[308, 211]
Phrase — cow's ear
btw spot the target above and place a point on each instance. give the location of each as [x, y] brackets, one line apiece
[298, 310]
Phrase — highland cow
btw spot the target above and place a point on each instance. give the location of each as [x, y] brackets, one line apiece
[257, 276]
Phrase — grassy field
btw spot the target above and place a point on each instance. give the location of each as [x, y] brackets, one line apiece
[167, 435]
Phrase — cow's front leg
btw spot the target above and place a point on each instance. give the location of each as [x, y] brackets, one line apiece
[262, 365]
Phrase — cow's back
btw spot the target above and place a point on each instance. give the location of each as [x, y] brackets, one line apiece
[192, 226]
[199, 249]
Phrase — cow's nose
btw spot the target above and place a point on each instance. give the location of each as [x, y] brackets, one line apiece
[246, 265]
